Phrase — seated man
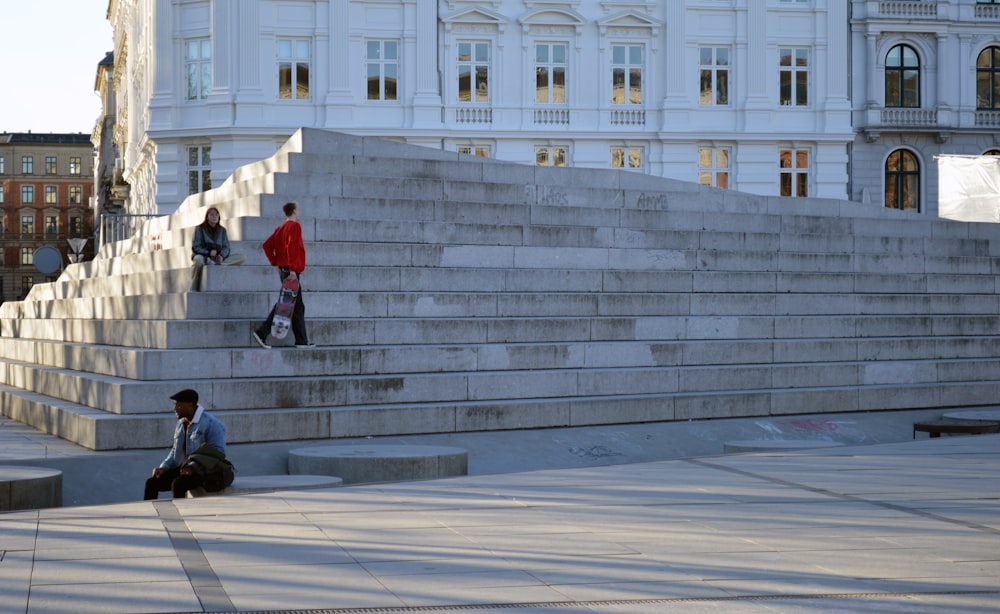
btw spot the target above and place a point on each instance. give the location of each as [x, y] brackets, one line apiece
[197, 431]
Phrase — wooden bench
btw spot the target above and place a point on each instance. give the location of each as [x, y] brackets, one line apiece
[934, 429]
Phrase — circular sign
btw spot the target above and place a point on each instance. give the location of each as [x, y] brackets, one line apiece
[48, 260]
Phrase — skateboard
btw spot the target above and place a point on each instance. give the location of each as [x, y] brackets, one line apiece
[284, 307]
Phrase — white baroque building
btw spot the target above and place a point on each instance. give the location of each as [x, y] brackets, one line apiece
[776, 97]
[926, 81]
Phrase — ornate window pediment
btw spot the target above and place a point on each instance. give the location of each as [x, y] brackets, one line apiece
[475, 18]
[552, 16]
[630, 19]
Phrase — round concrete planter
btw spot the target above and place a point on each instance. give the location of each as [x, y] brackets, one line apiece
[25, 488]
[363, 464]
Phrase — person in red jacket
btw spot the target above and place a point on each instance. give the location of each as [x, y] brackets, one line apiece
[285, 250]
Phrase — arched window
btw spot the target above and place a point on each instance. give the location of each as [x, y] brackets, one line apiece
[988, 79]
[902, 77]
[902, 181]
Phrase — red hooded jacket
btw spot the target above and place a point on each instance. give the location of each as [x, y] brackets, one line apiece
[284, 248]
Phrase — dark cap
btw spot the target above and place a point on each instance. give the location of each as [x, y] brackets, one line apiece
[185, 396]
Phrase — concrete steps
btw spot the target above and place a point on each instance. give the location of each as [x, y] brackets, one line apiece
[450, 294]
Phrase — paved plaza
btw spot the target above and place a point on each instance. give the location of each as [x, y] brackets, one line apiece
[912, 526]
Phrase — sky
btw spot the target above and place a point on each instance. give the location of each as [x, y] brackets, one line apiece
[50, 51]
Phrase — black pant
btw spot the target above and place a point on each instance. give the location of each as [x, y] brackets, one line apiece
[172, 480]
[298, 318]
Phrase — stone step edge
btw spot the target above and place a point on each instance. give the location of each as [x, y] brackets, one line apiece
[98, 430]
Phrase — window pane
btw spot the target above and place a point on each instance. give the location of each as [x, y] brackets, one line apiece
[374, 50]
[390, 81]
[542, 156]
[559, 84]
[559, 54]
[635, 86]
[722, 158]
[284, 80]
[541, 84]
[302, 50]
[464, 84]
[284, 49]
[302, 81]
[541, 53]
[482, 52]
[482, 84]
[391, 50]
[373, 82]
[705, 56]
[801, 88]
[618, 86]
[722, 56]
[464, 52]
[722, 85]
[635, 54]
[618, 54]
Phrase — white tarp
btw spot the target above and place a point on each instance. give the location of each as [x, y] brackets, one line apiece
[969, 188]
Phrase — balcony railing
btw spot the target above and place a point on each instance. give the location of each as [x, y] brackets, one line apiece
[901, 8]
[473, 115]
[988, 11]
[552, 116]
[119, 226]
[628, 117]
[988, 119]
[909, 117]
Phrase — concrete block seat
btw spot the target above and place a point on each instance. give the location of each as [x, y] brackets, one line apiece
[248, 484]
[24, 488]
[772, 445]
[365, 464]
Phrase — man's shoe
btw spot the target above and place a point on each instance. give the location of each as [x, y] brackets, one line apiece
[259, 341]
[305, 345]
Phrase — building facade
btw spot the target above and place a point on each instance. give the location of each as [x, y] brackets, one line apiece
[751, 95]
[45, 189]
[775, 97]
[926, 82]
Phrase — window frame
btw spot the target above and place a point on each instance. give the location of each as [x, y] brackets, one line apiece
[197, 68]
[381, 64]
[477, 67]
[991, 74]
[626, 66]
[795, 73]
[551, 67]
[899, 191]
[27, 165]
[552, 155]
[199, 168]
[712, 70]
[713, 170]
[51, 195]
[626, 153]
[896, 75]
[75, 165]
[295, 66]
[51, 165]
[27, 194]
[798, 177]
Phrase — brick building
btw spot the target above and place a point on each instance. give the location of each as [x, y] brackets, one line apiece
[45, 186]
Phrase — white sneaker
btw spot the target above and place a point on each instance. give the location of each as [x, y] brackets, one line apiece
[259, 341]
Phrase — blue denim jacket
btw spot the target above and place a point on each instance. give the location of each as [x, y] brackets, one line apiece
[204, 429]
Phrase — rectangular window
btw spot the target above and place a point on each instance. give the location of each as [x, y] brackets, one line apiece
[50, 165]
[74, 165]
[382, 60]
[27, 195]
[199, 169]
[76, 226]
[550, 156]
[550, 73]
[626, 74]
[51, 195]
[474, 72]
[483, 151]
[294, 60]
[626, 157]
[27, 281]
[51, 225]
[794, 172]
[1, 194]
[27, 165]
[714, 75]
[75, 194]
[198, 67]
[3, 165]
[27, 224]
[713, 166]
[794, 77]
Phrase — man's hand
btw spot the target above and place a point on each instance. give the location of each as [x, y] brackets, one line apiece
[187, 470]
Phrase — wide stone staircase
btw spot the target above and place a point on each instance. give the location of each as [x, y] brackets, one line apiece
[449, 293]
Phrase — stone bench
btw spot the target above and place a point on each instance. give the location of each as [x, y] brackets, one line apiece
[934, 429]
[248, 484]
[775, 445]
[366, 464]
[26, 488]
